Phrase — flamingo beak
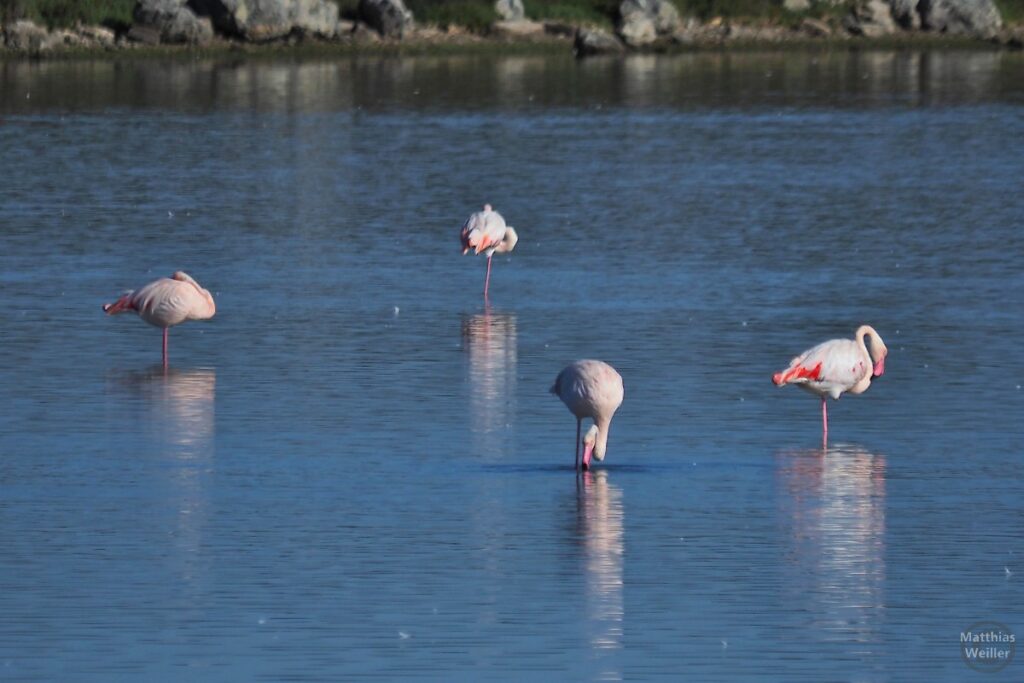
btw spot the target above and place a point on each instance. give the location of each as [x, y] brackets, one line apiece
[588, 449]
[879, 368]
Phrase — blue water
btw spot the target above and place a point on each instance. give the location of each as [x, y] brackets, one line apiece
[355, 470]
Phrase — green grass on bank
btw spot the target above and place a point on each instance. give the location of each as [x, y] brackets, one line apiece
[475, 15]
[1012, 11]
[116, 14]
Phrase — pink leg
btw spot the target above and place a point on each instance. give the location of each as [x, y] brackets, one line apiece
[165, 347]
[824, 421]
[487, 280]
[577, 465]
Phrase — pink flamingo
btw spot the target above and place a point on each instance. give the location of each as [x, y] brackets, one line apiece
[167, 302]
[486, 231]
[590, 388]
[836, 367]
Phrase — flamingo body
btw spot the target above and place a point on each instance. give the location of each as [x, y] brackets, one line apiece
[167, 302]
[485, 231]
[836, 367]
[590, 388]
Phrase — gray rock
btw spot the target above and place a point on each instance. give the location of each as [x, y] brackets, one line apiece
[663, 12]
[560, 29]
[262, 20]
[871, 19]
[98, 35]
[904, 13]
[595, 42]
[517, 29]
[389, 18]
[173, 20]
[797, 5]
[815, 28]
[978, 18]
[638, 31]
[642, 22]
[144, 35]
[25, 36]
[510, 10]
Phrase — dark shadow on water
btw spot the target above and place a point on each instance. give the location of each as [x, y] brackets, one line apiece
[520, 467]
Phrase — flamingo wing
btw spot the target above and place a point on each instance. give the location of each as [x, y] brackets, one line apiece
[482, 230]
[831, 367]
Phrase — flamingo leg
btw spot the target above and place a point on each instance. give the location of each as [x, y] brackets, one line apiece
[487, 280]
[824, 421]
[577, 463]
[165, 347]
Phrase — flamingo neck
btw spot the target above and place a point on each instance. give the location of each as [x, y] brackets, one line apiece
[603, 424]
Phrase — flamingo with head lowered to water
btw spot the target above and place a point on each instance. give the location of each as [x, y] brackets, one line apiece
[590, 388]
[485, 231]
[167, 302]
[836, 367]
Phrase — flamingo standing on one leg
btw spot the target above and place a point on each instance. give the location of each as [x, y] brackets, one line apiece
[836, 367]
[590, 388]
[167, 302]
[486, 231]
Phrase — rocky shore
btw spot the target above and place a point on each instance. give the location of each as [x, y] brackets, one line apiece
[640, 25]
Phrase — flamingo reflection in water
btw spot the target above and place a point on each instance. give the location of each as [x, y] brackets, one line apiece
[490, 339]
[177, 415]
[600, 528]
[834, 511]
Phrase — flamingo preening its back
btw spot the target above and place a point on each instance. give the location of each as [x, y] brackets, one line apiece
[836, 367]
[485, 231]
[590, 388]
[167, 302]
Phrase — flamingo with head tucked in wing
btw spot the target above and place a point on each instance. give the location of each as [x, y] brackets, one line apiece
[485, 231]
[590, 388]
[167, 302]
[836, 367]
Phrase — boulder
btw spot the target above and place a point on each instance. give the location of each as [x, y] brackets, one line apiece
[595, 42]
[978, 18]
[870, 18]
[642, 22]
[797, 5]
[173, 21]
[815, 28]
[560, 29]
[904, 13]
[389, 18]
[510, 10]
[143, 35]
[262, 20]
[98, 35]
[517, 29]
[25, 36]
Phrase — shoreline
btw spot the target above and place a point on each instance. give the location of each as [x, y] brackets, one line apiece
[433, 42]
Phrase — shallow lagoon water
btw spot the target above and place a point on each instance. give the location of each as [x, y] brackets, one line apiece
[355, 469]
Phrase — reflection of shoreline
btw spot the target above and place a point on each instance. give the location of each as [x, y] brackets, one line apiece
[600, 528]
[919, 76]
[834, 506]
[490, 340]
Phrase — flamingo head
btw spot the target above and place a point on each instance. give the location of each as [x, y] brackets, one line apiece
[591, 447]
[878, 353]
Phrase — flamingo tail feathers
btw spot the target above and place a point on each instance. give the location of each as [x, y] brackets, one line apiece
[797, 372]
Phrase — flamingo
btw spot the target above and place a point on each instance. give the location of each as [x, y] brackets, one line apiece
[836, 367]
[486, 231]
[590, 388]
[167, 302]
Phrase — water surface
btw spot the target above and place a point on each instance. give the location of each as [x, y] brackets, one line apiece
[355, 469]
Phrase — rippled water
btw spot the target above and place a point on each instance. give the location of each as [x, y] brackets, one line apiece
[355, 469]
